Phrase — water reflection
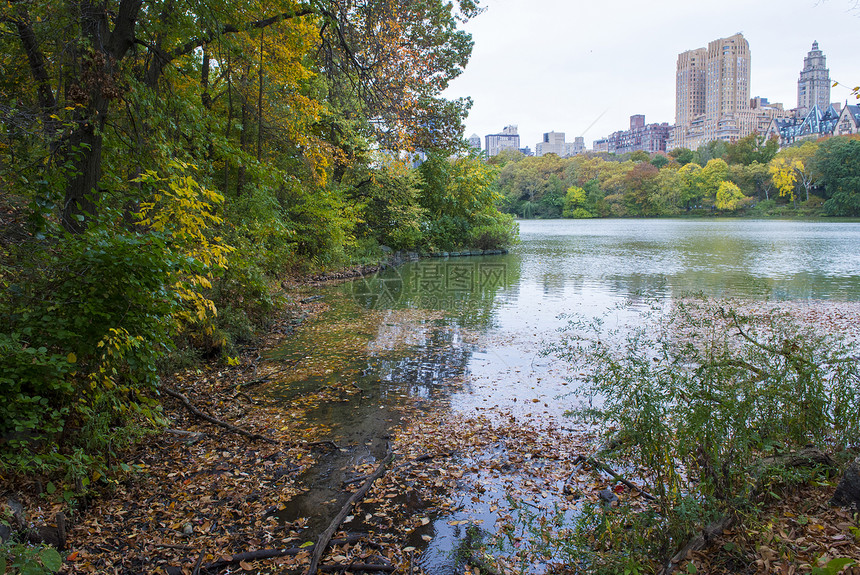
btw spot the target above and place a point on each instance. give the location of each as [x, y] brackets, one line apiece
[466, 333]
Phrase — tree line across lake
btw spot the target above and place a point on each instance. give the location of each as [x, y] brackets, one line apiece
[751, 176]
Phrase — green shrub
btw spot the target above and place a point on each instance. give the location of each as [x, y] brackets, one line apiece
[695, 398]
[501, 233]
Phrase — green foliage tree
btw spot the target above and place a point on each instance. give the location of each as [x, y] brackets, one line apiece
[660, 161]
[145, 141]
[837, 163]
[574, 203]
[392, 213]
[683, 156]
[752, 148]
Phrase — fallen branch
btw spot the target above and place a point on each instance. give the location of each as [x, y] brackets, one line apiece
[566, 489]
[199, 562]
[325, 538]
[419, 459]
[274, 553]
[228, 426]
[175, 547]
[246, 396]
[699, 542]
[599, 465]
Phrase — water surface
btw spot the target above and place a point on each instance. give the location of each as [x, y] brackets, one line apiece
[466, 333]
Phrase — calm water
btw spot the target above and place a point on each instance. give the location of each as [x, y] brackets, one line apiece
[467, 332]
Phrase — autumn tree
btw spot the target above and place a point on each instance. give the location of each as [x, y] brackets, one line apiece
[729, 197]
[784, 175]
[799, 158]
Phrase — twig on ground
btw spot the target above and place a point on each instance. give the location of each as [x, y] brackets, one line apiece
[228, 426]
[599, 465]
[325, 538]
[274, 553]
[699, 542]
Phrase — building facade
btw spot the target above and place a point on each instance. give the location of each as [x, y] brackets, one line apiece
[818, 123]
[813, 87]
[689, 95]
[849, 121]
[649, 138]
[727, 87]
[508, 139]
[475, 142]
[554, 143]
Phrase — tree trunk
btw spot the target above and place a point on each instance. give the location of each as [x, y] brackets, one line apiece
[85, 145]
[243, 135]
[47, 101]
[229, 121]
[86, 152]
[260, 101]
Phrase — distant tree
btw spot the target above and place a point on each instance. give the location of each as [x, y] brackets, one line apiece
[639, 156]
[729, 196]
[752, 148]
[666, 195]
[713, 150]
[574, 203]
[837, 164]
[641, 184]
[800, 158]
[760, 175]
[689, 188]
[506, 156]
[784, 176]
[715, 172]
[660, 160]
[682, 155]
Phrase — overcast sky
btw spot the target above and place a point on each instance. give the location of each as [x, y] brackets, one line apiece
[584, 67]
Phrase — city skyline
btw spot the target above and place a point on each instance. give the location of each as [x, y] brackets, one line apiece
[590, 80]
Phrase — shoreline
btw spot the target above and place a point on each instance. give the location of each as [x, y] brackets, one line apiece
[205, 493]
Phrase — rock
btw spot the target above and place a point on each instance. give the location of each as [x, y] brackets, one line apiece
[607, 497]
[17, 508]
[848, 491]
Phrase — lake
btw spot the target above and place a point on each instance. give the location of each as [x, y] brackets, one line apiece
[465, 334]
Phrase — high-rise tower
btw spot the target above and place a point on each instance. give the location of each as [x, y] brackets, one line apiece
[689, 92]
[813, 87]
[727, 86]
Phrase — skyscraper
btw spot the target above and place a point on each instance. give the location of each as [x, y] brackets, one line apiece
[727, 86]
[712, 89]
[813, 87]
[689, 93]
[507, 140]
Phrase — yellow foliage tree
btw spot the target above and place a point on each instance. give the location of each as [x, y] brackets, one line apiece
[784, 176]
[184, 211]
[729, 196]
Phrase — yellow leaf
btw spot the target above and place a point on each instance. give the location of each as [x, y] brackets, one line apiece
[72, 358]
[306, 544]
